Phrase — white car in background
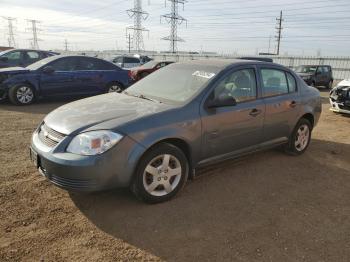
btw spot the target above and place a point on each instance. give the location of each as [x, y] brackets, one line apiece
[127, 62]
[339, 97]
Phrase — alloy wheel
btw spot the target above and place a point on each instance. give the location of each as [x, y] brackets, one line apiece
[162, 175]
[25, 95]
[302, 137]
[114, 88]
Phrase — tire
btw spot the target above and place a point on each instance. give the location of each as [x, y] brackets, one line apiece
[330, 84]
[300, 138]
[144, 74]
[114, 87]
[160, 183]
[21, 95]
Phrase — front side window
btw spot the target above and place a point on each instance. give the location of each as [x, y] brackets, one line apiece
[13, 56]
[274, 82]
[241, 85]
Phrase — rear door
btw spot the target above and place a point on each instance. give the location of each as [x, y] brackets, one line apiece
[282, 100]
[30, 57]
[231, 129]
[13, 58]
[63, 80]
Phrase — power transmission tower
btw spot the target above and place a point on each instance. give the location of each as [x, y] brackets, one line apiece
[128, 42]
[11, 34]
[34, 29]
[279, 32]
[65, 45]
[174, 19]
[138, 14]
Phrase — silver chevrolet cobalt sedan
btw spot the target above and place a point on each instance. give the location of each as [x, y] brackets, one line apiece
[154, 135]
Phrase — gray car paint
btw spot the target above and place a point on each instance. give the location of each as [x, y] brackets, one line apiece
[210, 134]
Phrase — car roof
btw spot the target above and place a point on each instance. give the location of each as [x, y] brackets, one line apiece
[315, 65]
[223, 63]
[24, 49]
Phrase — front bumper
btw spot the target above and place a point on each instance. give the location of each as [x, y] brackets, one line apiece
[338, 107]
[111, 169]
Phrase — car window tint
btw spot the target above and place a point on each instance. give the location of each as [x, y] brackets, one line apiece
[95, 64]
[33, 55]
[320, 69]
[131, 60]
[274, 82]
[65, 64]
[241, 85]
[292, 84]
[13, 56]
[326, 69]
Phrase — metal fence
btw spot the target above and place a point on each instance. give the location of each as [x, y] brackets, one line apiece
[340, 65]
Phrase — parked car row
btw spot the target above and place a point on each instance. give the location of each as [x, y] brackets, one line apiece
[22, 57]
[61, 76]
[153, 136]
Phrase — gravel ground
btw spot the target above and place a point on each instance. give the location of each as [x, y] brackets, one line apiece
[264, 207]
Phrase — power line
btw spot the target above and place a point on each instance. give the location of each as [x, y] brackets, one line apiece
[34, 29]
[138, 14]
[174, 19]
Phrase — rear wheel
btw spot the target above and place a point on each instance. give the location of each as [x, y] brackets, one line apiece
[300, 138]
[21, 95]
[330, 84]
[114, 87]
[161, 174]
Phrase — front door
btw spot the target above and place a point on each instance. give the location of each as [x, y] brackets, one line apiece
[233, 129]
[63, 80]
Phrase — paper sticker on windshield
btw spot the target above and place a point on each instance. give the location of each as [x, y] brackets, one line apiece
[203, 74]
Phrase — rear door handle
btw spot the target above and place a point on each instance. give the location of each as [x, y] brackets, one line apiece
[255, 112]
[293, 104]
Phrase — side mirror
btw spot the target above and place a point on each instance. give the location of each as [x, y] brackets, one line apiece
[48, 70]
[221, 101]
[4, 59]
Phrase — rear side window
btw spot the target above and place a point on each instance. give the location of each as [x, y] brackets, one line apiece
[65, 64]
[95, 64]
[274, 82]
[326, 69]
[292, 83]
[33, 55]
[131, 60]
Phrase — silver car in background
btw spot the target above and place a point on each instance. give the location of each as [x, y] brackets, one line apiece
[154, 135]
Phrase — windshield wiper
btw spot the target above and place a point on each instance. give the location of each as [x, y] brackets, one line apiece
[142, 97]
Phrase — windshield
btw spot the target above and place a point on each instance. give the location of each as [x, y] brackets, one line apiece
[175, 83]
[150, 65]
[306, 69]
[42, 62]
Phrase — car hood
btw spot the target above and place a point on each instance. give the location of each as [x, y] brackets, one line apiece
[14, 70]
[305, 74]
[113, 109]
[345, 82]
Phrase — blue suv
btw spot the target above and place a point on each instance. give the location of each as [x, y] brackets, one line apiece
[61, 76]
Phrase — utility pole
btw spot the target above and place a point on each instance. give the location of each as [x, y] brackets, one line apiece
[128, 41]
[279, 32]
[11, 35]
[34, 29]
[138, 14]
[174, 19]
[65, 45]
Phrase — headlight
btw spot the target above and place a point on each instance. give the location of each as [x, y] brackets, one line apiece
[93, 143]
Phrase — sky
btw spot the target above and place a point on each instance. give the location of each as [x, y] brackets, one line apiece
[225, 26]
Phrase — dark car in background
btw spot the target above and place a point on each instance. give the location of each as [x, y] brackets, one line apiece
[61, 76]
[22, 57]
[316, 75]
[187, 115]
[148, 68]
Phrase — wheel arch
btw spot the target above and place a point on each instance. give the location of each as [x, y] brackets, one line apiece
[310, 117]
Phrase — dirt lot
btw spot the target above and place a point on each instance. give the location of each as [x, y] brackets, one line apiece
[264, 207]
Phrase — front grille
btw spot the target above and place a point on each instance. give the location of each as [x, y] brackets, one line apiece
[49, 136]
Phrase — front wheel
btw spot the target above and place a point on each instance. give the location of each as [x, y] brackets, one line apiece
[21, 95]
[300, 138]
[114, 87]
[161, 174]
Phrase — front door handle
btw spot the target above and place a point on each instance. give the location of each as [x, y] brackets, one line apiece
[293, 104]
[255, 112]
